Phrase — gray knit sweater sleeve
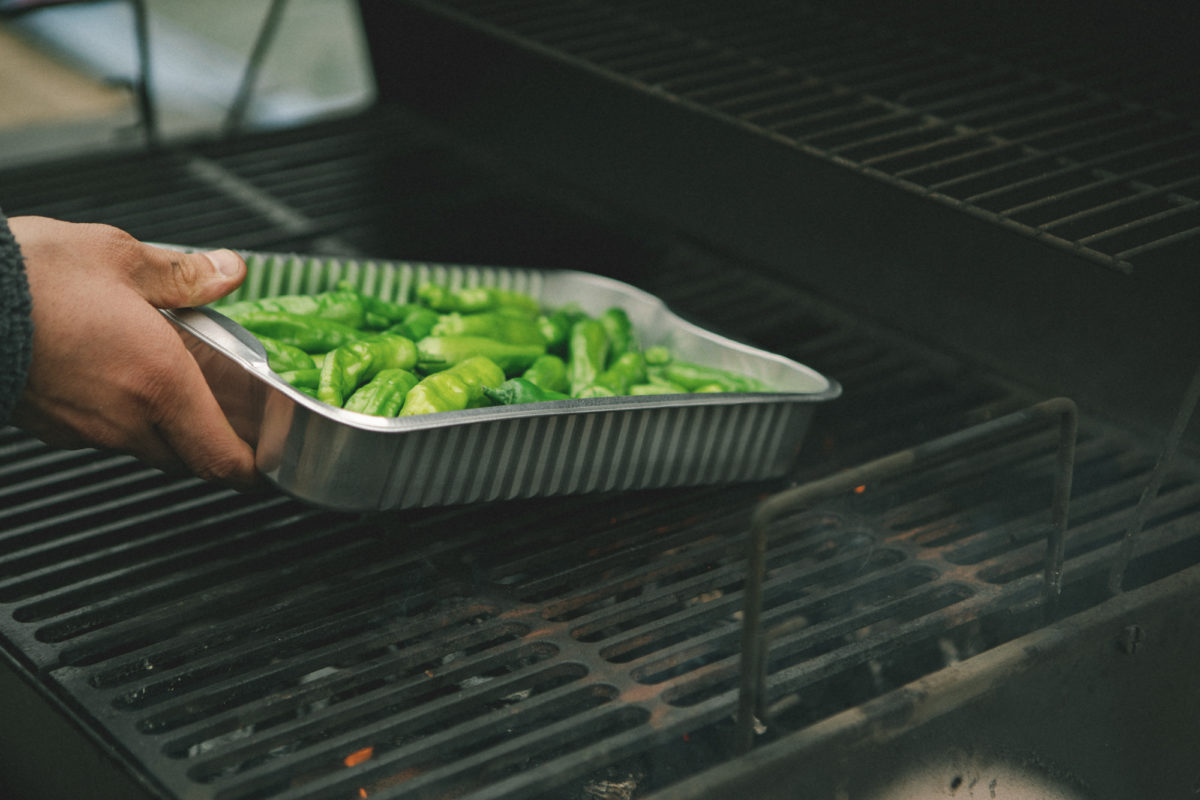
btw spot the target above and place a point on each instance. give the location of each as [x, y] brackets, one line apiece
[16, 322]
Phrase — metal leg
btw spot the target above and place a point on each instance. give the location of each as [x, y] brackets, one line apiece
[266, 34]
[145, 88]
[1190, 397]
[752, 693]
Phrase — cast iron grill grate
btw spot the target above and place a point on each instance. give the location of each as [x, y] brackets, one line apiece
[995, 117]
[247, 646]
[523, 649]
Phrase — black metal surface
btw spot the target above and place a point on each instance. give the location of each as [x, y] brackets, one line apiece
[996, 119]
[245, 646]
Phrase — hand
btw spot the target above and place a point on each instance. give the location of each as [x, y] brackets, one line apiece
[108, 370]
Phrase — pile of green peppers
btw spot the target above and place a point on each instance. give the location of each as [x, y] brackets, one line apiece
[453, 349]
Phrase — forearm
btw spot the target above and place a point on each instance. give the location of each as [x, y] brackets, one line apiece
[16, 322]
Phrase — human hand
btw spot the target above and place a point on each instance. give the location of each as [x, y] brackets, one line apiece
[108, 370]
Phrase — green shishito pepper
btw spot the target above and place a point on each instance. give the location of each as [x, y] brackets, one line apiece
[436, 353]
[549, 372]
[303, 378]
[378, 313]
[383, 395]
[283, 357]
[454, 389]
[588, 351]
[310, 334]
[656, 356]
[512, 328]
[516, 391]
[628, 369]
[696, 376]
[639, 389]
[349, 366]
[416, 323]
[344, 307]
[556, 327]
[453, 349]
[619, 329]
[475, 299]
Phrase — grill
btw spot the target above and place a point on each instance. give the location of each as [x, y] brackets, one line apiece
[165, 638]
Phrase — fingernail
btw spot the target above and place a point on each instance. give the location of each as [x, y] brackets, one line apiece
[227, 262]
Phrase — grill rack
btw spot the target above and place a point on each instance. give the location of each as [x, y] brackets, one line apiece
[1096, 159]
[213, 667]
[149, 606]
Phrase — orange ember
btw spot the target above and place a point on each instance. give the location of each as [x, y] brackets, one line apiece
[358, 757]
[860, 489]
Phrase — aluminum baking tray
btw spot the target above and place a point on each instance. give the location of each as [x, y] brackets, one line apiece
[343, 460]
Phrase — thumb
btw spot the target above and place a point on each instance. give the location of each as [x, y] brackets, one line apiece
[175, 279]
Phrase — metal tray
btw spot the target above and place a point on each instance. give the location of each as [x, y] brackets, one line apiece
[342, 460]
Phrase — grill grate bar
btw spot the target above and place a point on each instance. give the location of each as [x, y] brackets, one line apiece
[1143, 195]
[78, 564]
[345, 692]
[1159, 243]
[1032, 153]
[482, 765]
[1094, 166]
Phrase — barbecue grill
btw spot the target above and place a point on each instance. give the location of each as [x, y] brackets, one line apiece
[978, 580]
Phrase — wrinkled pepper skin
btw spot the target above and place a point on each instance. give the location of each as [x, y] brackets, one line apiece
[416, 324]
[310, 334]
[475, 299]
[516, 391]
[515, 329]
[383, 395]
[549, 372]
[628, 369]
[454, 389]
[436, 353]
[350, 366]
[303, 378]
[378, 314]
[588, 351]
[283, 357]
[342, 306]
[619, 330]
[694, 376]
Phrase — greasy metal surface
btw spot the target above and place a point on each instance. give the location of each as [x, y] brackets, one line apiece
[1099, 706]
[340, 460]
[752, 711]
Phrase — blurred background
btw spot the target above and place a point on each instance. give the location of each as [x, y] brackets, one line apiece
[71, 71]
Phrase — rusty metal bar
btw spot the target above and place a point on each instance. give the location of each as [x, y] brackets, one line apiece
[751, 697]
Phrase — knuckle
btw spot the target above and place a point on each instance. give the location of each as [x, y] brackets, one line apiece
[217, 467]
[111, 240]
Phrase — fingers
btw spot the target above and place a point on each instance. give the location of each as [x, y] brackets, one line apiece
[174, 279]
[195, 431]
